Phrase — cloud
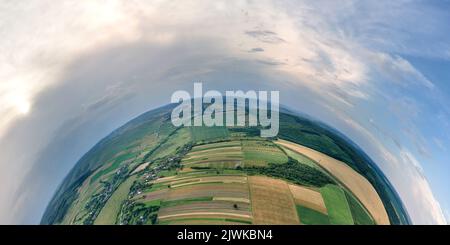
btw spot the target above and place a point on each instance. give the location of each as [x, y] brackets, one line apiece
[400, 71]
[421, 196]
[403, 170]
[254, 50]
[265, 36]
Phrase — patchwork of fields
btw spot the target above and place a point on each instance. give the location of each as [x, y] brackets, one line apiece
[236, 198]
[223, 179]
[212, 187]
[356, 183]
[233, 154]
[151, 172]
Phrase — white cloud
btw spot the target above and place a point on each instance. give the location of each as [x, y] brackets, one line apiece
[403, 170]
[399, 70]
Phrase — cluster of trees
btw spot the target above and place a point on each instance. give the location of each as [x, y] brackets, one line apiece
[293, 171]
[97, 201]
[134, 213]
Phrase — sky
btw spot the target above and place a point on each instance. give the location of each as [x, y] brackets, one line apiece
[73, 71]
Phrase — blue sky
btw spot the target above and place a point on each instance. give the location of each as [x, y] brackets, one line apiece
[376, 70]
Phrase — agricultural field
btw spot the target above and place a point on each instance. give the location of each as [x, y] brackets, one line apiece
[109, 212]
[206, 134]
[337, 205]
[235, 153]
[355, 182]
[210, 197]
[150, 172]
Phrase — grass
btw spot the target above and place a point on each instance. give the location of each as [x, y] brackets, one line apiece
[359, 213]
[262, 152]
[185, 201]
[337, 205]
[117, 162]
[212, 220]
[271, 201]
[309, 216]
[301, 158]
[177, 140]
[223, 144]
[109, 212]
[153, 203]
[167, 173]
[208, 133]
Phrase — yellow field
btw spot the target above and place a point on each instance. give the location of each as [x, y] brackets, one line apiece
[255, 199]
[141, 167]
[205, 215]
[308, 198]
[351, 179]
[272, 202]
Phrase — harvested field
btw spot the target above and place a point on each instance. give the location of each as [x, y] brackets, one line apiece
[217, 157]
[232, 199]
[224, 144]
[351, 179]
[141, 167]
[196, 154]
[272, 202]
[108, 214]
[205, 215]
[207, 206]
[205, 221]
[235, 190]
[308, 198]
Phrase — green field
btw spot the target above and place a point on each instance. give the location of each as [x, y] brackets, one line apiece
[309, 216]
[116, 164]
[109, 212]
[200, 134]
[337, 205]
[205, 169]
[359, 213]
[261, 153]
[301, 158]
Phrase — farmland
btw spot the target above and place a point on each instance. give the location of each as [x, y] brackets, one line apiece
[150, 172]
[352, 180]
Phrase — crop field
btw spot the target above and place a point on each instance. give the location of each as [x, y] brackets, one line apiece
[336, 202]
[359, 213]
[211, 189]
[151, 172]
[301, 158]
[205, 221]
[231, 154]
[272, 201]
[114, 165]
[181, 137]
[211, 198]
[108, 214]
[261, 153]
[204, 134]
[308, 198]
[311, 217]
[217, 199]
[140, 167]
[224, 144]
[356, 183]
